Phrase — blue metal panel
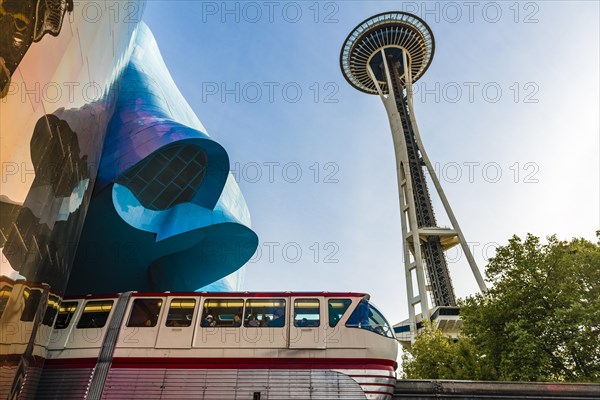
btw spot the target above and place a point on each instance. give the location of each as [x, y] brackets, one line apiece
[129, 241]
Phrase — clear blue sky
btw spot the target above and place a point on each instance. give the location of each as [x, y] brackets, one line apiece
[523, 160]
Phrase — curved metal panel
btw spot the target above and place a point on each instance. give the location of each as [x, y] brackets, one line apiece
[166, 212]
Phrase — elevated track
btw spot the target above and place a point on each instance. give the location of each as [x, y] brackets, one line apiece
[477, 390]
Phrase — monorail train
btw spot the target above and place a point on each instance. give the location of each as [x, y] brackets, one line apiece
[134, 345]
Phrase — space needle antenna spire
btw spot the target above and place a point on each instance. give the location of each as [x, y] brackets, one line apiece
[385, 55]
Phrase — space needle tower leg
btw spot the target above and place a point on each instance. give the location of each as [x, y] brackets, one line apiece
[413, 259]
[456, 227]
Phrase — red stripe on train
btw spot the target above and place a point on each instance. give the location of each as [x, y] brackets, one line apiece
[377, 384]
[222, 295]
[230, 363]
[379, 393]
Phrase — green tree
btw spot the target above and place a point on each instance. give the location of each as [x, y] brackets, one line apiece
[540, 321]
[435, 356]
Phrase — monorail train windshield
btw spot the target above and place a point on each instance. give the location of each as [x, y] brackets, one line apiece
[366, 316]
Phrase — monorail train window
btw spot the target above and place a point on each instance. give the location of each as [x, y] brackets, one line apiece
[337, 308]
[181, 312]
[144, 313]
[4, 296]
[307, 313]
[366, 316]
[95, 314]
[65, 314]
[222, 312]
[32, 299]
[51, 311]
[265, 313]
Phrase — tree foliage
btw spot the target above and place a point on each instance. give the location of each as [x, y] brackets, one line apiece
[539, 321]
[435, 356]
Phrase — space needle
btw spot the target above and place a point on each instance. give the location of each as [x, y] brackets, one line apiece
[384, 55]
